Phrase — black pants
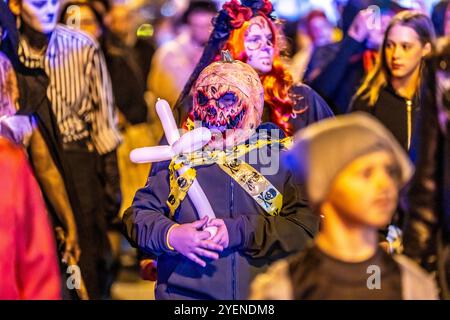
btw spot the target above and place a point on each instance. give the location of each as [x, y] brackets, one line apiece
[95, 261]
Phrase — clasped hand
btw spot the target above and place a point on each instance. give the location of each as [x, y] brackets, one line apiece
[193, 242]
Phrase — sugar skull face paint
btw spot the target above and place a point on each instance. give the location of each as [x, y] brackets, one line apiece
[228, 99]
[40, 15]
[259, 45]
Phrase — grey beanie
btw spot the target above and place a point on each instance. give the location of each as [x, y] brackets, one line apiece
[323, 149]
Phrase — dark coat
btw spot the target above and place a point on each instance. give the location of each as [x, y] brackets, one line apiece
[303, 96]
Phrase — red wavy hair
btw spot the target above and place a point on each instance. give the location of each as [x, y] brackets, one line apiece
[276, 83]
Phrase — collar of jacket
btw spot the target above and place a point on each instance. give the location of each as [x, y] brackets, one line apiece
[391, 90]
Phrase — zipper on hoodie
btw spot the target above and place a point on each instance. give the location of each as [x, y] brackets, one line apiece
[409, 120]
[233, 258]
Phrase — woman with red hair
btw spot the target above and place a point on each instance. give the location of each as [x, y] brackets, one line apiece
[250, 33]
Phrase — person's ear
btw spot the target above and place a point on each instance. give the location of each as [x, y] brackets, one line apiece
[426, 50]
[15, 6]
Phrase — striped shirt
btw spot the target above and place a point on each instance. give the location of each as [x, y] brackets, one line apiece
[79, 87]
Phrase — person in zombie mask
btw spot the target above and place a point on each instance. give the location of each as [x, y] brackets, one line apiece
[227, 100]
[250, 33]
[63, 80]
[254, 228]
[8, 89]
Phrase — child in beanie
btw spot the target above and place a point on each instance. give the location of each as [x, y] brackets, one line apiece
[353, 169]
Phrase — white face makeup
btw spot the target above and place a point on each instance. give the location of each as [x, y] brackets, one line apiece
[40, 15]
[258, 43]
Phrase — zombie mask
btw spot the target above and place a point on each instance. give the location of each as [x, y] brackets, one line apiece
[228, 99]
[40, 15]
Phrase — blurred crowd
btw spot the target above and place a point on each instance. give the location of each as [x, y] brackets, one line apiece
[142, 53]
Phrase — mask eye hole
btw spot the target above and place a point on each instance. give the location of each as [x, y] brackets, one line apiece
[201, 98]
[227, 100]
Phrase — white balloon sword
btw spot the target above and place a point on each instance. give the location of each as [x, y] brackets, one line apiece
[188, 142]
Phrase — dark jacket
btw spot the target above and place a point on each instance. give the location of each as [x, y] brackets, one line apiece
[302, 277]
[256, 239]
[391, 110]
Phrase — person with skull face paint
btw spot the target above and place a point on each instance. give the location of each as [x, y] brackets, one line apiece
[248, 31]
[63, 80]
[254, 228]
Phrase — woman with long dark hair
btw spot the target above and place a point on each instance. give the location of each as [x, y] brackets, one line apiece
[391, 91]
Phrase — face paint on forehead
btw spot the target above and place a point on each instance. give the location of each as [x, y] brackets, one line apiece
[258, 25]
